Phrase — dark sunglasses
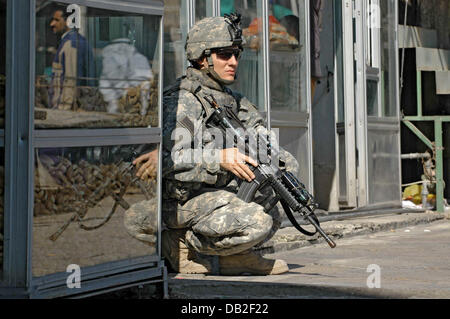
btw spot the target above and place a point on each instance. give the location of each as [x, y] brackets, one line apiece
[226, 54]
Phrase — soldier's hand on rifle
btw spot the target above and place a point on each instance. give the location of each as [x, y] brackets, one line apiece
[146, 164]
[234, 161]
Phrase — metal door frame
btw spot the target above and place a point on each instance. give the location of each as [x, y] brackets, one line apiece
[348, 127]
[361, 102]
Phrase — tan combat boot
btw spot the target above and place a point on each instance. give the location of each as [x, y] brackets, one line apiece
[179, 256]
[248, 262]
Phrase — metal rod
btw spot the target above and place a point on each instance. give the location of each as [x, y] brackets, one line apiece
[419, 134]
[415, 155]
[419, 92]
[266, 60]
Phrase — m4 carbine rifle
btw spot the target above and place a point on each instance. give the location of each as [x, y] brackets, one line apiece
[288, 189]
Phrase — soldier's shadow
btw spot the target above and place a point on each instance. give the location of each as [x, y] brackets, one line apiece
[295, 266]
[293, 269]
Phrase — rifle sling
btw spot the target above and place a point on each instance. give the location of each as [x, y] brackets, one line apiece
[293, 221]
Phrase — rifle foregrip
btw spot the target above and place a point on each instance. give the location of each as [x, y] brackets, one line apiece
[285, 194]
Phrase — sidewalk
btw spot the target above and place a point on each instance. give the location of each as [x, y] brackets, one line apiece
[290, 238]
[293, 284]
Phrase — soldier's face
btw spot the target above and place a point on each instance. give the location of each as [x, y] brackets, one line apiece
[226, 61]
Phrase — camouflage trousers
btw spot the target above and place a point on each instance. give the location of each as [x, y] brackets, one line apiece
[219, 223]
[215, 222]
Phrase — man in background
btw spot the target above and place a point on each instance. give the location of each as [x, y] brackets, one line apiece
[72, 65]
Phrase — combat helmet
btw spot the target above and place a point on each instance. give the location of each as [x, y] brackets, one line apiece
[212, 33]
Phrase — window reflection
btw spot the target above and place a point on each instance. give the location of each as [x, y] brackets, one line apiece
[95, 67]
[202, 8]
[250, 79]
[388, 58]
[285, 56]
[175, 30]
[82, 200]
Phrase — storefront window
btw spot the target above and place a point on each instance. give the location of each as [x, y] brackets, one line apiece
[175, 31]
[250, 79]
[286, 60]
[202, 8]
[389, 80]
[82, 203]
[381, 57]
[95, 67]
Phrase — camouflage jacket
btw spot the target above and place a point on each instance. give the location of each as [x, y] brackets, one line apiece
[185, 172]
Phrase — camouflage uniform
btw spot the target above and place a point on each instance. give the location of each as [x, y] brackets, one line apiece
[199, 196]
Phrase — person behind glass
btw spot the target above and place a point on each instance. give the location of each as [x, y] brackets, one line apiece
[291, 23]
[316, 12]
[201, 210]
[72, 64]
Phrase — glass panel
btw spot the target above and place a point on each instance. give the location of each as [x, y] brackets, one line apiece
[295, 141]
[340, 62]
[202, 8]
[372, 97]
[228, 6]
[250, 79]
[287, 67]
[175, 30]
[81, 200]
[383, 165]
[342, 167]
[389, 78]
[95, 67]
[373, 33]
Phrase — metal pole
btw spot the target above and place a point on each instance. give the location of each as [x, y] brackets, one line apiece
[439, 166]
[418, 133]
[419, 92]
[18, 193]
[266, 59]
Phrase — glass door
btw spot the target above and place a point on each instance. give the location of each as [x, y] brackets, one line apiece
[274, 69]
[376, 107]
[289, 80]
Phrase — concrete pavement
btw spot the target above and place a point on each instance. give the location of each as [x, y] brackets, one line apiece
[406, 255]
